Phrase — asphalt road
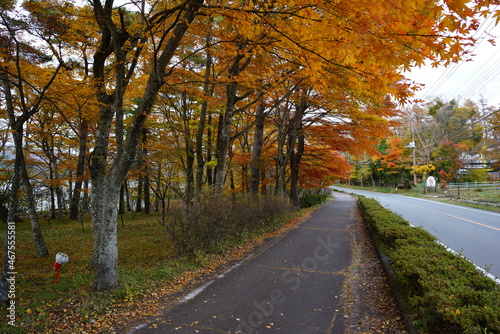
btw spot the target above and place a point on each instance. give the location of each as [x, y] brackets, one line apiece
[473, 233]
[293, 285]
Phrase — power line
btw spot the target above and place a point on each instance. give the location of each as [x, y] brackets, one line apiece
[449, 71]
[485, 77]
[473, 123]
[479, 79]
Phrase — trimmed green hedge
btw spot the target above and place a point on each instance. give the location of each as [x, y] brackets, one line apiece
[443, 292]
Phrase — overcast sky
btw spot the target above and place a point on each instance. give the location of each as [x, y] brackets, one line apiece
[479, 76]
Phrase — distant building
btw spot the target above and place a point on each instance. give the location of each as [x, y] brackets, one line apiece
[477, 161]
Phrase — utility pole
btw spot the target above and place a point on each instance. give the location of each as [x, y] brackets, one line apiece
[414, 147]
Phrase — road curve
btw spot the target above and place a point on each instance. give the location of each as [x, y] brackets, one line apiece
[471, 232]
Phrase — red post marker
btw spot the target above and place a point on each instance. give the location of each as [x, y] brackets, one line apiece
[61, 259]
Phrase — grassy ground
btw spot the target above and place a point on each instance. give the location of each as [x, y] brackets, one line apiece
[148, 272]
[489, 196]
[145, 255]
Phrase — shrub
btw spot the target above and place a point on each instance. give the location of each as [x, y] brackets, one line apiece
[310, 200]
[444, 292]
[213, 222]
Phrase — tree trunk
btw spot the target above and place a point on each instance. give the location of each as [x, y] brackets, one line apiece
[190, 154]
[106, 182]
[224, 137]
[207, 91]
[138, 200]
[17, 135]
[128, 206]
[41, 247]
[86, 198]
[147, 193]
[8, 264]
[158, 188]
[52, 193]
[80, 171]
[189, 174]
[59, 192]
[121, 203]
[56, 193]
[256, 163]
[145, 178]
[282, 154]
[294, 169]
[104, 209]
[296, 136]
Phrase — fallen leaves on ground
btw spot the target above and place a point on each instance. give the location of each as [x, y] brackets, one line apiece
[118, 317]
[370, 303]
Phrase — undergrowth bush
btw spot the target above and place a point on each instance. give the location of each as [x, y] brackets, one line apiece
[309, 200]
[444, 292]
[211, 224]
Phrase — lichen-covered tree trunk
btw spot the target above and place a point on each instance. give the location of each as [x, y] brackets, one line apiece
[104, 210]
[107, 180]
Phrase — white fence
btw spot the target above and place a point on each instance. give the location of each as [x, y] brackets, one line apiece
[474, 185]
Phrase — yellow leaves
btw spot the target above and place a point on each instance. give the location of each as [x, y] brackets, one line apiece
[423, 169]
[459, 7]
[496, 15]
[450, 22]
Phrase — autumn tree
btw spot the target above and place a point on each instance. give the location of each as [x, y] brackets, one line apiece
[322, 164]
[457, 123]
[447, 159]
[25, 83]
[391, 166]
[121, 42]
[437, 125]
[47, 135]
[493, 148]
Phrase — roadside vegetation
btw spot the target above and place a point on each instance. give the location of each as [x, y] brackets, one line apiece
[440, 292]
[475, 198]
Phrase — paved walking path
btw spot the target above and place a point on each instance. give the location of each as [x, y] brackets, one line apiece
[292, 285]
